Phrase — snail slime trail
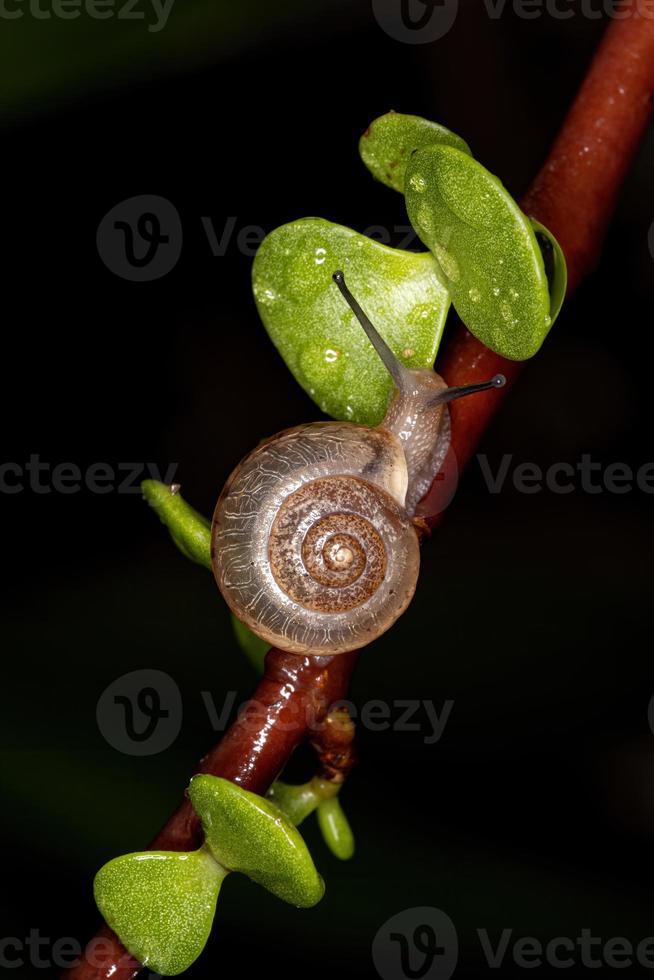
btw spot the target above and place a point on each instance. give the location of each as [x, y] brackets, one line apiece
[313, 543]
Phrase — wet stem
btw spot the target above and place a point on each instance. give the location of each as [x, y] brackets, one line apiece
[574, 196]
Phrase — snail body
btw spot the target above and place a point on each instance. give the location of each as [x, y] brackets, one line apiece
[313, 542]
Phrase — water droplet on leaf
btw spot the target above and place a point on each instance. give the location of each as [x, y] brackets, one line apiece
[447, 262]
[418, 183]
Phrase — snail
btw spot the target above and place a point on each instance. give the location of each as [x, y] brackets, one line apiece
[314, 543]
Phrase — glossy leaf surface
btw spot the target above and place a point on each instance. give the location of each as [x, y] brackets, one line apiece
[295, 802]
[190, 531]
[247, 833]
[161, 905]
[485, 247]
[318, 336]
[335, 829]
[556, 268]
[387, 145]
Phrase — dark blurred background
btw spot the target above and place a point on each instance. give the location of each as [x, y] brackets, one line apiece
[535, 809]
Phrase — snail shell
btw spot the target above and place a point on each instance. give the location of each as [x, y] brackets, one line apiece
[311, 545]
[312, 542]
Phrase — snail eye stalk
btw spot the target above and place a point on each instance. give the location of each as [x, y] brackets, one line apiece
[451, 394]
[397, 371]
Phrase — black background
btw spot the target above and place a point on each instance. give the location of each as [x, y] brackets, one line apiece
[535, 811]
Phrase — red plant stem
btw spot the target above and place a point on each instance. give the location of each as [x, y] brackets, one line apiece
[574, 195]
[289, 705]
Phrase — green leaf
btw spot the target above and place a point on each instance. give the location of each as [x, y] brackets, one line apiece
[387, 145]
[335, 829]
[485, 247]
[190, 531]
[254, 648]
[318, 336]
[161, 905]
[556, 268]
[295, 802]
[247, 833]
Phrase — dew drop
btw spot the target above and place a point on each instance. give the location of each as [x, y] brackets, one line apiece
[418, 313]
[547, 320]
[425, 219]
[507, 314]
[264, 294]
[332, 355]
[496, 290]
[447, 262]
[474, 294]
[418, 183]
[321, 255]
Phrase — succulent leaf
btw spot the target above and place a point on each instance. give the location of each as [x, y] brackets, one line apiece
[190, 530]
[486, 249]
[161, 905]
[556, 268]
[247, 833]
[295, 802]
[335, 828]
[318, 336]
[387, 144]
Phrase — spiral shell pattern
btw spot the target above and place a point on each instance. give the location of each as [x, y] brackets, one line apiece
[311, 546]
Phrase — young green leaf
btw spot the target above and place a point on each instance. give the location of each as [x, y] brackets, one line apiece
[335, 829]
[485, 247]
[190, 531]
[247, 833]
[295, 802]
[387, 144]
[556, 268]
[161, 905]
[318, 336]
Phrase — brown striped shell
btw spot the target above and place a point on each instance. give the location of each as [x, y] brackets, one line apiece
[311, 545]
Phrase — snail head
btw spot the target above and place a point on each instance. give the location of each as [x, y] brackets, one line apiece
[405, 379]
